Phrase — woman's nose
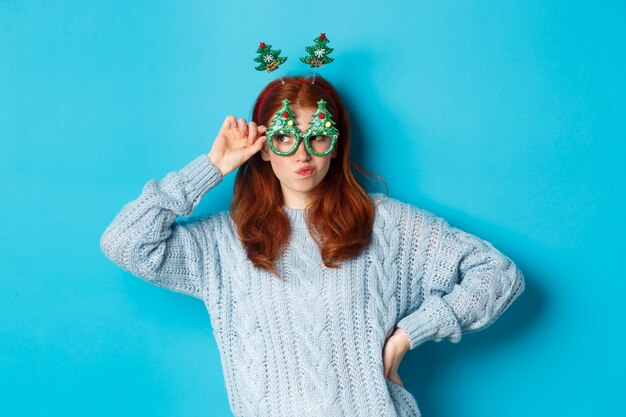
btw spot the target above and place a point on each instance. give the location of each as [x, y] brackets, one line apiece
[301, 152]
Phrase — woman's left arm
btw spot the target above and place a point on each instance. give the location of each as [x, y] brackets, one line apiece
[467, 283]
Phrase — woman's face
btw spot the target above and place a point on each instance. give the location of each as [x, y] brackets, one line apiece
[297, 188]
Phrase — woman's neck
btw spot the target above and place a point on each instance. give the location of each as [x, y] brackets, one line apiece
[296, 200]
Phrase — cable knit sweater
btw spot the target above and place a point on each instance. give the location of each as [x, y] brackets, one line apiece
[312, 345]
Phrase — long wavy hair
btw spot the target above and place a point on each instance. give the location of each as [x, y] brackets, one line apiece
[341, 216]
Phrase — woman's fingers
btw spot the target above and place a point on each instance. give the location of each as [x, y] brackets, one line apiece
[229, 122]
[252, 132]
[248, 151]
[261, 130]
[258, 144]
[242, 127]
[396, 379]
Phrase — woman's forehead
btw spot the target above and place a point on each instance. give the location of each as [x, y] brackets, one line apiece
[300, 112]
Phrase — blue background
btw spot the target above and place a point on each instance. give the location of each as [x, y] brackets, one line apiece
[506, 118]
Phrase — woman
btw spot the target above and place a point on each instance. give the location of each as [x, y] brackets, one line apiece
[315, 288]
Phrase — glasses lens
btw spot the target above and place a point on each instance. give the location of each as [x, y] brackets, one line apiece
[320, 143]
[283, 143]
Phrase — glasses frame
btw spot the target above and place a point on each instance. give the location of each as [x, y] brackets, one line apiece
[279, 127]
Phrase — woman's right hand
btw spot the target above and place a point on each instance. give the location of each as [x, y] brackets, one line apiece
[235, 143]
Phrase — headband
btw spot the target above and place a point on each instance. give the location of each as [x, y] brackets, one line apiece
[299, 81]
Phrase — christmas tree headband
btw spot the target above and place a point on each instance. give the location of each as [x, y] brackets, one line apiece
[283, 124]
[317, 56]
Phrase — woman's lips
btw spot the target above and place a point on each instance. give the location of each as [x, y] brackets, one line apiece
[306, 172]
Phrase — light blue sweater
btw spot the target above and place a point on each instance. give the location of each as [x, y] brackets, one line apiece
[312, 345]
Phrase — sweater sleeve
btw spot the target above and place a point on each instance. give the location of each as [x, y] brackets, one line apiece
[467, 284]
[145, 239]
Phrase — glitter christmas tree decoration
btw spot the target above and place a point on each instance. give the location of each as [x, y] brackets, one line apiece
[321, 137]
[269, 60]
[322, 123]
[284, 123]
[318, 52]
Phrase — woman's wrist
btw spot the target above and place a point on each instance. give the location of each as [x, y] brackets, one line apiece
[214, 162]
[402, 338]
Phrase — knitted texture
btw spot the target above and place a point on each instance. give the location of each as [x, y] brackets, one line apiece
[312, 345]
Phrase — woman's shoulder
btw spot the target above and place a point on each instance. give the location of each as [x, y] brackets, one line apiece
[219, 221]
[390, 206]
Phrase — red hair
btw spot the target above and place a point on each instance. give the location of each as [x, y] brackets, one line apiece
[341, 216]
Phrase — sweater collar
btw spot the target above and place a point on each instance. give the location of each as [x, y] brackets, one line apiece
[296, 216]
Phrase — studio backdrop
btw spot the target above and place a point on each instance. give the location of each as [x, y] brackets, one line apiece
[506, 118]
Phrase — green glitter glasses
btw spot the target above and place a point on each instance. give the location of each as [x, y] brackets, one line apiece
[284, 137]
